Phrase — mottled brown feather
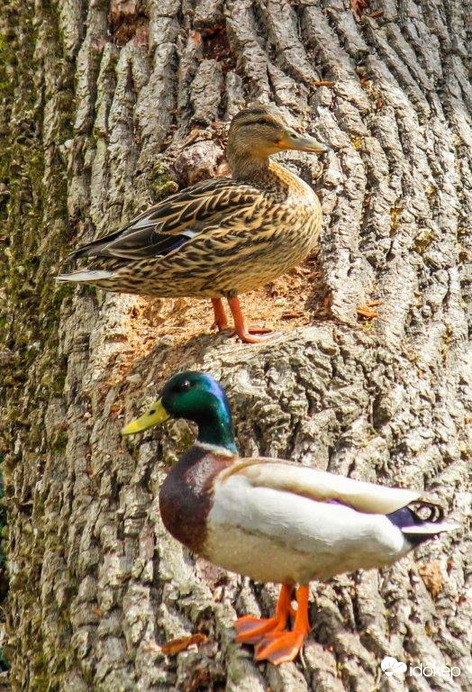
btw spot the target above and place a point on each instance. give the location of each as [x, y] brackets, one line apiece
[219, 237]
[264, 234]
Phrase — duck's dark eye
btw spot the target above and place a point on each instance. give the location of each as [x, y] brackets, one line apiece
[263, 121]
[183, 386]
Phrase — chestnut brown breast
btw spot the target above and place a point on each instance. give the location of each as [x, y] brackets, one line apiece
[186, 495]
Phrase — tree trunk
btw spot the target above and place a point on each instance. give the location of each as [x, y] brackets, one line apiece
[105, 107]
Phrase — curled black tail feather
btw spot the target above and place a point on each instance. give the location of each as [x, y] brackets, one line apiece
[425, 510]
[418, 514]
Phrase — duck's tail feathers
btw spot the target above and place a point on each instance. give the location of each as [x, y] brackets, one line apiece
[421, 520]
[84, 276]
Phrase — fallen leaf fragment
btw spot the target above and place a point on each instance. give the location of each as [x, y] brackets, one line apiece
[432, 576]
[366, 310]
[291, 315]
[358, 7]
[175, 646]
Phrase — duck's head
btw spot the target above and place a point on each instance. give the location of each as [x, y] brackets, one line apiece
[256, 133]
[196, 397]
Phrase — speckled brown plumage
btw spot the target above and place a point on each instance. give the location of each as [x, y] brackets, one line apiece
[220, 237]
[263, 237]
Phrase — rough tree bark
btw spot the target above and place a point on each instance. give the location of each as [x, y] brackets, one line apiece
[104, 108]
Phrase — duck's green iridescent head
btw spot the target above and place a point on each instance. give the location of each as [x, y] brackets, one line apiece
[196, 397]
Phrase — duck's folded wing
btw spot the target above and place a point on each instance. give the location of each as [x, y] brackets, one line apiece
[323, 486]
[284, 524]
[175, 221]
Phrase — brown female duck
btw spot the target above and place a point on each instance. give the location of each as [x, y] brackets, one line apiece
[220, 237]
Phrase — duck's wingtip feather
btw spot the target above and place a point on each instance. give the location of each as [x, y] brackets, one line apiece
[431, 528]
[85, 276]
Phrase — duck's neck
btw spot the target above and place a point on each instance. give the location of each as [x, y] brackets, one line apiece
[246, 165]
[251, 169]
[217, 436]
[215, 427]
[263, 174]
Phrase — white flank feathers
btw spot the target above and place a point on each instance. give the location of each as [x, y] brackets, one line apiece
[281, 522]
[279, 536]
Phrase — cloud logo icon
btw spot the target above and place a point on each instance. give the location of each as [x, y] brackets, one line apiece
[391, 666]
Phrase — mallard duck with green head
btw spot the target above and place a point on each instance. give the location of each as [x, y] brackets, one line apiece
[274, 520]
[220, 237]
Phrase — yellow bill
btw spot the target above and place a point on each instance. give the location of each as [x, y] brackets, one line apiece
[154, 416]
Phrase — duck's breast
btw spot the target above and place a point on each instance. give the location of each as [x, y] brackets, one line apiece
[186, 496]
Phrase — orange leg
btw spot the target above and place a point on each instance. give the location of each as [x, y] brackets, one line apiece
[246, 335]
[250, 629]
[221, 322]
[280, 647]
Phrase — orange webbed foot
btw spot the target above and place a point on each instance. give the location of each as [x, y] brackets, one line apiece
[358, 7]
[271, 640]
[251, 629]
[251, 336]
[279, 647]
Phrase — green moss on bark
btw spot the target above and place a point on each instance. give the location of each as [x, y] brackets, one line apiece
[35, 232]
